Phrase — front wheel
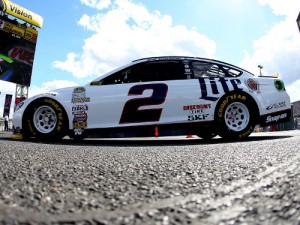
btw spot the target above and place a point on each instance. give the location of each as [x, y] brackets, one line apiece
[45, 119]
[234, 116]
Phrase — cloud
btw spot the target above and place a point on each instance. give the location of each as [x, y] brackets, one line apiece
[294, 91]
[288, 8]
[10, 88]
[48, 86]
[99, 4]
[278, 50]
[127, 31]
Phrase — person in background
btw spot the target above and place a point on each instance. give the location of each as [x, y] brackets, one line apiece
[6, 122]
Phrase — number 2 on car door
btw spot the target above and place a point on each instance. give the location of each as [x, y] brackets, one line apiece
[131, 112]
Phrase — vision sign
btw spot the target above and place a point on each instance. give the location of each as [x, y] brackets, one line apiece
[21, 13]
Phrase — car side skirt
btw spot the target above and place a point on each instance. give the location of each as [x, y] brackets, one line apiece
[160, 130]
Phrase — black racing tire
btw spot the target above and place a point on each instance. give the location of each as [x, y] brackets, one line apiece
[236, 116]
[46, 120]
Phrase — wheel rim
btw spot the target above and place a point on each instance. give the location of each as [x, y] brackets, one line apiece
[44, 119]
[237, 116]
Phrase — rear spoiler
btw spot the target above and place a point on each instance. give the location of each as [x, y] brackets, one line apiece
[275, 75]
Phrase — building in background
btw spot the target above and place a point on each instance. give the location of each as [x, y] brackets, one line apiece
[296, 114]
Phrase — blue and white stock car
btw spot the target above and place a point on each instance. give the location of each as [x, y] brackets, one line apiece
[158, 96]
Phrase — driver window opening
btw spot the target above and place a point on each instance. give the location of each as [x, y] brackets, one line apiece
[145, 72]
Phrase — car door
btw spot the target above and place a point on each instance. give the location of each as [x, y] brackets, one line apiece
[143, 94]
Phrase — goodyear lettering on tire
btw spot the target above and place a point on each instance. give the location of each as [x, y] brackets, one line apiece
[225, 102]
[59, 112]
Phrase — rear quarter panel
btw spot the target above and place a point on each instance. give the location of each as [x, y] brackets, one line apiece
[268, 98]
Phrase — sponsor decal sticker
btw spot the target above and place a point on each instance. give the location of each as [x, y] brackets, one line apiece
[279, 85]
[210, 90]
[78, 131]
[79, 95]
[79, 108]
[198, 117]
[276, 118]
[80, 124]
[80, 100]
[252, 84]
[197, 112]
[50, 93]
[200, 106]
[80, 120]
[79, 90]
[187, 70]
[276, 105]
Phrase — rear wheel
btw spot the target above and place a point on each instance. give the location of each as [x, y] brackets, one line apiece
[235, 115]
[45, 119]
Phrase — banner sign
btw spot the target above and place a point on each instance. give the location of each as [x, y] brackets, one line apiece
[298, 21]
[21, 13]
[17, 48]
[7, 104]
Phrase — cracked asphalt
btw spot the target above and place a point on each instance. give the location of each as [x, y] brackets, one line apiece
[151, 181]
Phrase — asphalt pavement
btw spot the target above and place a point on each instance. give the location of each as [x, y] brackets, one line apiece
[151, 181]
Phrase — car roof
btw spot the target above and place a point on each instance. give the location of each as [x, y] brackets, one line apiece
[167, 58]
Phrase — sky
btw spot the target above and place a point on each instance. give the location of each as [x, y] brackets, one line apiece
[82, 39]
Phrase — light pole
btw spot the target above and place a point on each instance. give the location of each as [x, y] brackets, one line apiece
[260, 67]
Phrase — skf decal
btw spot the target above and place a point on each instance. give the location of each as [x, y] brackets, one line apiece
[276, 118]
[198, 117]
[276, 105]
[227, 86]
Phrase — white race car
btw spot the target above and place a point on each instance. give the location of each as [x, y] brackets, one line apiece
[158, 96]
